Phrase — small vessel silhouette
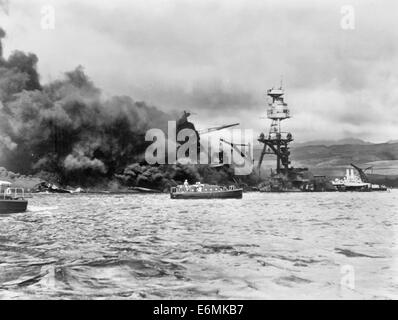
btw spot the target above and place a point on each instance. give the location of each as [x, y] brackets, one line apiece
[12, 200]
[205, 191]
[353, 182]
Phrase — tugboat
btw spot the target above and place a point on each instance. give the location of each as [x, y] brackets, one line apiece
[12, 200]
[205, 191]
[353, 182]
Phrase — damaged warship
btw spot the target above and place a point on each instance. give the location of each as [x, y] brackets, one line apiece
[289, 179]
[286, 178]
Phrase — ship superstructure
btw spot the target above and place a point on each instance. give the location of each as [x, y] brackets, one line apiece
[276, 141]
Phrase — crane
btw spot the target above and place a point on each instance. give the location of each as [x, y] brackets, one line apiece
[362, 173]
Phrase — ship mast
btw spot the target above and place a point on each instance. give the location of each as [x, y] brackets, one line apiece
[277, 141]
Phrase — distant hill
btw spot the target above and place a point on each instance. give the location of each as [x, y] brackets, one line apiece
[333, 160]
[335, 155]
[338, 156]
[332, 142]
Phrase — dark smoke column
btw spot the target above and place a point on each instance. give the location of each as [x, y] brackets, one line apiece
[2, 35]
[183, 123]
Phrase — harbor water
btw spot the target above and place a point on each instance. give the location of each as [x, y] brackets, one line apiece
[141, 246]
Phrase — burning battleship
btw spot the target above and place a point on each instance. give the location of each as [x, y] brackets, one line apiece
[286, 178]
[289, 179]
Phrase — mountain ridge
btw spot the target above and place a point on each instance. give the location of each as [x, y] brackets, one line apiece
[326, 142]
[313, 156]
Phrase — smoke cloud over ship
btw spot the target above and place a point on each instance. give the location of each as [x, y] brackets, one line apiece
[66, 126]
[66, 131]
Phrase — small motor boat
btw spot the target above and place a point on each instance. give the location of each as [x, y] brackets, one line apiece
[12, 200]
[353, 182]
[205, 191]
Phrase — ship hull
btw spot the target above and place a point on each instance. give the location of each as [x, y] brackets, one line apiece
[13, 206]
[343, 188]
[379, 188]
[225, 194]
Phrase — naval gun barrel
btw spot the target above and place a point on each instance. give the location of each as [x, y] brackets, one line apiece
[212, 129]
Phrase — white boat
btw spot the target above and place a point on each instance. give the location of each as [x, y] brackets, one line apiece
[354, 182]
[12, 200]
[205, 191]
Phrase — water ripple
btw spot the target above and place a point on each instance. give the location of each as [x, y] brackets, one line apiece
[150, 247]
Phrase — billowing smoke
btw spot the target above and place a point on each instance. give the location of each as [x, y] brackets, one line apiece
[68, 132]
[164, 176]
[2, 35]
[66, 126]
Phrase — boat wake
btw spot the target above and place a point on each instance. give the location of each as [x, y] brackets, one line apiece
[41, 209]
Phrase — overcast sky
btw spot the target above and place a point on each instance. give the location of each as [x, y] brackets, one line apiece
[218, 58]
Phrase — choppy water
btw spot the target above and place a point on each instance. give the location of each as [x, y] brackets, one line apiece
[299, 245]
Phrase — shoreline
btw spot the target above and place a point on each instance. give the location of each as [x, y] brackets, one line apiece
[29, 182]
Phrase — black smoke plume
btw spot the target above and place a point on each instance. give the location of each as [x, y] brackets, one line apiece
[66, 126]
[2, 35]
[65, 131]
